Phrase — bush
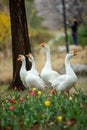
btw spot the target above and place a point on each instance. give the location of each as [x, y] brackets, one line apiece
[5, 32]
[82, 35]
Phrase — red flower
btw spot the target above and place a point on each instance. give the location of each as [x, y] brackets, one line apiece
[11, 108]
[53, 91]
[12, 100]
[69, 122]
[32, 93]
[15, 88]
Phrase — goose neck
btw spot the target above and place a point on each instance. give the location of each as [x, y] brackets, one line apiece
[48, 58]
[23, 65]
[33, 64]
[68, 67]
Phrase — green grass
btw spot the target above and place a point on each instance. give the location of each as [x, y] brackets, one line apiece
[28, 110]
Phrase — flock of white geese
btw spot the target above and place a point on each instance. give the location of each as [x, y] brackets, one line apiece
[48, 77]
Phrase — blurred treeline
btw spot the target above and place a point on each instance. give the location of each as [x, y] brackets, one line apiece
[37, 32]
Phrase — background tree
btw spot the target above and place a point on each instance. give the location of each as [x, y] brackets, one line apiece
[20, 38]
[52, 11]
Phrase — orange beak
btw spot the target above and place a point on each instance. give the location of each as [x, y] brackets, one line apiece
[19, 58]
[28, 55]
[75, 52]
[43, 44]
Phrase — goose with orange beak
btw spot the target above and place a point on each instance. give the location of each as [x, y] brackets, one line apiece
[67, 81]
[23, 71]
[47, 72]
[33, 79]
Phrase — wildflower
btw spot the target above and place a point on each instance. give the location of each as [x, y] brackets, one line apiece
[21, 99]
[69, 122]
[47, 103]
[15, 88]
[15, 102]
[11, 108]
[39, 92]
[12, 100]
[53, 91]
[34, 89]
[60, 118]
[32, 94]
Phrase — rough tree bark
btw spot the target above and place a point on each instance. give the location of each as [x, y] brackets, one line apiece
[20, 38]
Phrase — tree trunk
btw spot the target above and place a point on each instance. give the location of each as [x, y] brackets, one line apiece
[20, 38]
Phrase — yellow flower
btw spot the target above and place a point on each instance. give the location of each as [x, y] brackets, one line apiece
[39, 92]
[34, 89]
[60, 118]
[70, 98]
[47, 103]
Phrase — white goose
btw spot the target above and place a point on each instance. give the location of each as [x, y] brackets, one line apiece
[33, 79]
[47, 73]
[65, 82]
[23, 71]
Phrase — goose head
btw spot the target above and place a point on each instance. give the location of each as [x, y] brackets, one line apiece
[30, 57]
[44, 45]
[72, 53]
[21, 57]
